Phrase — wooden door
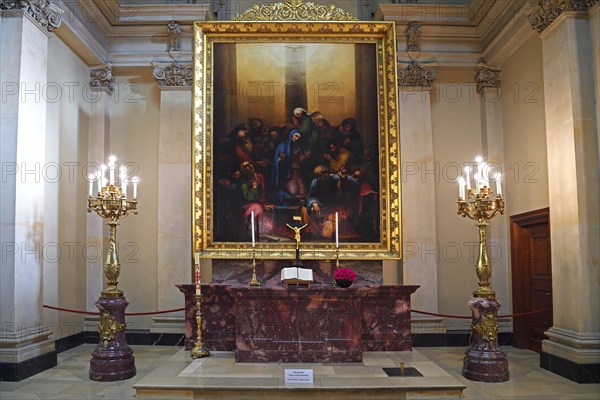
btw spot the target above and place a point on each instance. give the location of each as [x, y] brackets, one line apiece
[531, 277]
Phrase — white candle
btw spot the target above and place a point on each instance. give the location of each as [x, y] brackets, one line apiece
[99, 179]
[478, 160]
[337, 238]
[484, 177]
[103, 178]
[124, 186]
[477, 182]
[461, 188]
[468, 171]
[498, 185]
[135, 181]
[91, 178]
[252, 224]
[111, 165]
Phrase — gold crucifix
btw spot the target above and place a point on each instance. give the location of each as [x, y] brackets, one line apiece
[297, 231]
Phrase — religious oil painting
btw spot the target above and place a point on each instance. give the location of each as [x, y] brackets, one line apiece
[295, 124]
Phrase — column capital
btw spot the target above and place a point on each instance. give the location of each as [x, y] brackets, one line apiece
[173, 74]
[487, 76]
[415, 74]
[47, 15]
[548, 10]
[102, 79]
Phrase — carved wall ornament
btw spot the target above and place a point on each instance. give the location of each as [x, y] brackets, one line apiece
[174, 30]
[102, 78]
[413, 34]
[416, 74]
[173, 74]
[47, 14]
[549, 10]
[295, 10]
[487, 76]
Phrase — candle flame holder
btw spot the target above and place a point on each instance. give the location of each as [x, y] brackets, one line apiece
[481, 207]
[111, 203]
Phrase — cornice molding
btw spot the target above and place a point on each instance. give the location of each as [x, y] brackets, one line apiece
[430, 14]
[512, 35]
[549, 10]
[47, 15]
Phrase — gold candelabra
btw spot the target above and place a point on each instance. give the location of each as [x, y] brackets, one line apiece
[111, 203]
[480, 206]
[199, 349]
[253, 281]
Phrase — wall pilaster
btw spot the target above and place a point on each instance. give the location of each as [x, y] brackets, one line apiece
[418, 192]
[574, 188]
[25, 347]
[175, 197]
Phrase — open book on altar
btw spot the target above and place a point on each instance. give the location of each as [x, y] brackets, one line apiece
[296, 275]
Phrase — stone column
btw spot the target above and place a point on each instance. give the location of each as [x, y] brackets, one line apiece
[174, 198]
[573, 345]
[25, 348]
[488, 79]
[101, 87]
[420, 245]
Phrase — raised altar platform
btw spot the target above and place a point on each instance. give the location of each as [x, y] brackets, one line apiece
[221, 377]
[317, 324]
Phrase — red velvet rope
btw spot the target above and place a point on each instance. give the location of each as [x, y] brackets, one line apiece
[127, 314]
[499, 316]
[413, 310]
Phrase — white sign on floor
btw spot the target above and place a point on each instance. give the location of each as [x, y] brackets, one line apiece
[298, 376]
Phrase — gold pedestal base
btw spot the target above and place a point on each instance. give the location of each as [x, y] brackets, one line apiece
[254, 281]
[200, 352]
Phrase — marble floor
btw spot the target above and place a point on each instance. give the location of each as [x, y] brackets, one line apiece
[69, 380]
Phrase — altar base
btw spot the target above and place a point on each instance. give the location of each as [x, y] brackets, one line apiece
[112, 359]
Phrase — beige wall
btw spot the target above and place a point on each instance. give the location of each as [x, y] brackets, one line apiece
[595, 29]
[65, 194]
[456, 125]
[526, 166]
[134, 127]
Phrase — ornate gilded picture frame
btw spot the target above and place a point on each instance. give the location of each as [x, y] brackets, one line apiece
[295, 122]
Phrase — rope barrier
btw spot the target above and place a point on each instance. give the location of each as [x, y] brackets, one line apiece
[126, 314]
[412, 310]
[499, 316]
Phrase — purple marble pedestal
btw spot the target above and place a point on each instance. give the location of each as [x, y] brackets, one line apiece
[484, 360]
[112, 359]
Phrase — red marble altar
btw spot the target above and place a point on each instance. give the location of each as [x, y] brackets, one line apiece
[317, 324]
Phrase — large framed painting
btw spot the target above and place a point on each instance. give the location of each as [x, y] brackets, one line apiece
[296, 126]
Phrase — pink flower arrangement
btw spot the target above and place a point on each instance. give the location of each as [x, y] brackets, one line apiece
[344, 274]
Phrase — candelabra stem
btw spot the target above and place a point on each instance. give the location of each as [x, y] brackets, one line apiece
[199, 350]
[112, 267]
[483, 269]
